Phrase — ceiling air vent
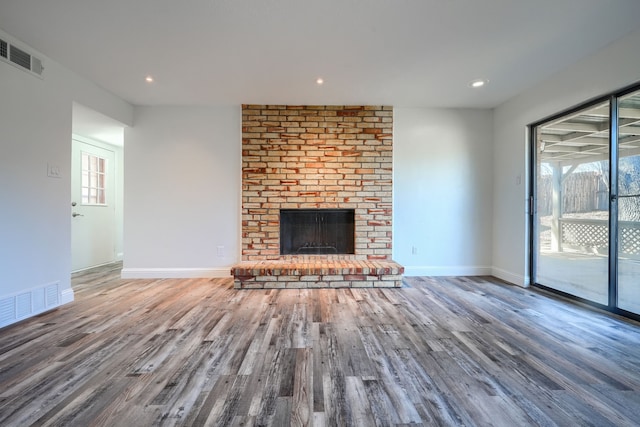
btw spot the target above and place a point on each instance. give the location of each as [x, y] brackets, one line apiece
[4, 49]
[20, 58]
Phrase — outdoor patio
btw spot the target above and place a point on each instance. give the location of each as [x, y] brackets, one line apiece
[586, 276]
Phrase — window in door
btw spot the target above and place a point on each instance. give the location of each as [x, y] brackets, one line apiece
[93, 180]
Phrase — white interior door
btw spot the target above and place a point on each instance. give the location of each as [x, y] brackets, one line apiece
[93, 222]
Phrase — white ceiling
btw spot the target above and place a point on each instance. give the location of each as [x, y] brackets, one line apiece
[394, 52]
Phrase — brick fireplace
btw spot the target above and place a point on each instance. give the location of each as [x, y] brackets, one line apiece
[317, 157]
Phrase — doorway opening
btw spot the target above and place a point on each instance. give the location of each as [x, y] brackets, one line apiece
[97, 184]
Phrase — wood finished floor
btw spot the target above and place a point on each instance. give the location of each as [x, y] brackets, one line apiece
[438, 351]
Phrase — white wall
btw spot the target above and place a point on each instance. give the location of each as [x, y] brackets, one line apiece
[442, 184]
[182, 192]
[183, 186]
[35, 215]
[613, 67]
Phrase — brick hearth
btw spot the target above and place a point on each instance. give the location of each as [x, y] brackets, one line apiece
[314, 272]
[296, 157]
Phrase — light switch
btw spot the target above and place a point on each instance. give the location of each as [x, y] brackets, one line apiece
[53, 171]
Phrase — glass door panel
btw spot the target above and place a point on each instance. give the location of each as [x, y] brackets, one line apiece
[571, 221]
[629, 203]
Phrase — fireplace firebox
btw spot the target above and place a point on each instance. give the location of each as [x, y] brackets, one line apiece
[317, 231]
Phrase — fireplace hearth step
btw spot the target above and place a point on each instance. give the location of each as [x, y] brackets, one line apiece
[321, 273]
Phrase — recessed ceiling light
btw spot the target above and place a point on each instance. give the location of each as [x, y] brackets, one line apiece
[149, 79]
[319, 80]
[478, 83]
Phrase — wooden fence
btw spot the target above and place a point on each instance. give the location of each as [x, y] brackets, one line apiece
[581, 192]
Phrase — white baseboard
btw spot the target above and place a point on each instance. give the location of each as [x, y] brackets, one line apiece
[93, 266]
[66, 296]
[190, 273]
[507, 276]
[501, 274]
[175, 273]
[462, 270]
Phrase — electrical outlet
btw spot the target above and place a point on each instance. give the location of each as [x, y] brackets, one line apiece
[414, 250]
[220, 251]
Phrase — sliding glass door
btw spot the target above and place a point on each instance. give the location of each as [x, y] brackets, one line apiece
[572, 220]
[586, 193]
[628, 199]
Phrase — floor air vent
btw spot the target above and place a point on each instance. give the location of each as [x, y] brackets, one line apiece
[23, 305]
[20, 58]
[7, 311]
[51, 295]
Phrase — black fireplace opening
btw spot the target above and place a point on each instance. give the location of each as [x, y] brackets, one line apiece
[317, 231]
